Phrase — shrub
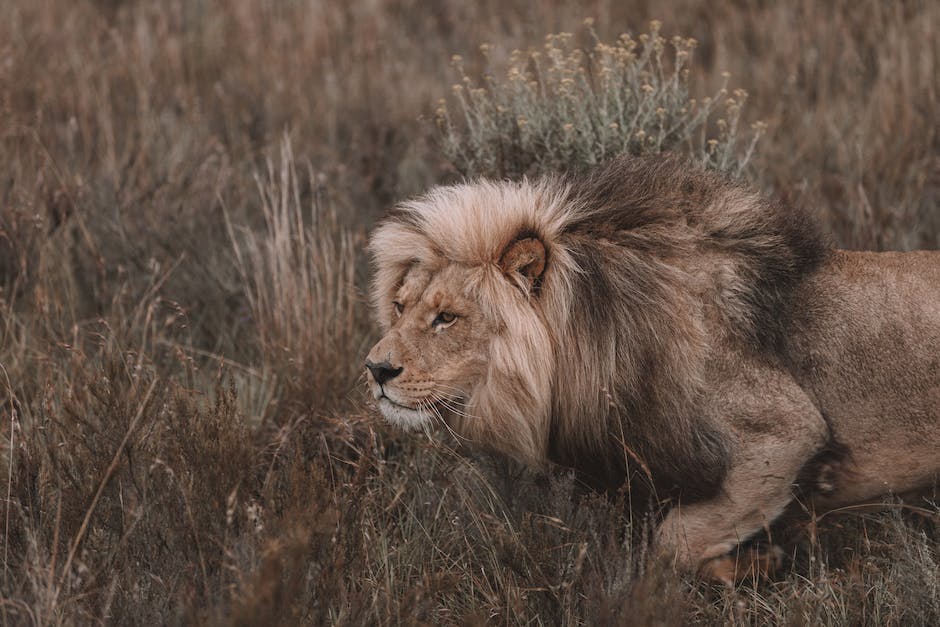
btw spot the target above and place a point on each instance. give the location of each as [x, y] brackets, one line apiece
[565, 107]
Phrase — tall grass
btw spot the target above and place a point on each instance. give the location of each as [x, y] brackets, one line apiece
[185, 189]
[299, 279]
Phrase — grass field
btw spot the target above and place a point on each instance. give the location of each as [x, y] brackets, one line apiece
[186, 189]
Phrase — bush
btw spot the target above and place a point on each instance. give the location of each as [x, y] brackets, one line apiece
[564, 107]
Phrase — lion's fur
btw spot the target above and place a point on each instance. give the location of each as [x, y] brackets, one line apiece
[649, 317]
[649, 263]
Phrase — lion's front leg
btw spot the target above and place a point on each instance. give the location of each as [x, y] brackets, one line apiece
[698, 537]
[776, 430]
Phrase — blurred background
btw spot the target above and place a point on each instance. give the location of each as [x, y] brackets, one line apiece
[186, 189]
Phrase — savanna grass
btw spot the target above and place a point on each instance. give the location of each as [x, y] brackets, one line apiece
[299, 280]
[181, 319]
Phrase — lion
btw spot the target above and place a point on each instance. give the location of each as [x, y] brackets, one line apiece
[650, 317]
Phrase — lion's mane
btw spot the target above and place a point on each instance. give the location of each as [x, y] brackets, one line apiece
[650, 262]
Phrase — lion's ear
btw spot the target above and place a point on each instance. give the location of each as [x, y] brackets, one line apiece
[525, 258]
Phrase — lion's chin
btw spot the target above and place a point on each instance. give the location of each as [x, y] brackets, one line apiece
[403, 417]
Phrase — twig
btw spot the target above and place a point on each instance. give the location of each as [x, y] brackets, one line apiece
[101, 486]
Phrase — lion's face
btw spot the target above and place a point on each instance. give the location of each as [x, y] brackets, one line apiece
[460, 281]
[434, 353]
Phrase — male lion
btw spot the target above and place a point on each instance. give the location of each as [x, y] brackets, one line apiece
[650, 315]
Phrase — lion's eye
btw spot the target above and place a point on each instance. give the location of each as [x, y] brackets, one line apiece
[398, 307]
[444, 319]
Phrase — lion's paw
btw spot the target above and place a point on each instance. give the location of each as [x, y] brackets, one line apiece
[748, 564]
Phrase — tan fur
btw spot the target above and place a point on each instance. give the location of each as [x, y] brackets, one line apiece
[648, 319]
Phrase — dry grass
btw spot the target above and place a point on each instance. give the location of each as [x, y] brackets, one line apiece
[185, 189]
[299, 280]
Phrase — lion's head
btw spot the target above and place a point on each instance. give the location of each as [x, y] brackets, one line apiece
[465, 344]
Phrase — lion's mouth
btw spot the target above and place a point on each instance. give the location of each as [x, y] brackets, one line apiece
[402, 416]
[384, 396]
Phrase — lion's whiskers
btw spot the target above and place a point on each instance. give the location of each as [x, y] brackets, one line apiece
[429, 404]
[449, 393]
[454, 405]
[425, 408]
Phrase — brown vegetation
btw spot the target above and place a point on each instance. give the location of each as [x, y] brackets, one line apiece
[185, 189]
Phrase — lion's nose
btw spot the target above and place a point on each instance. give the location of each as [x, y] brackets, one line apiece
[382, 372]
